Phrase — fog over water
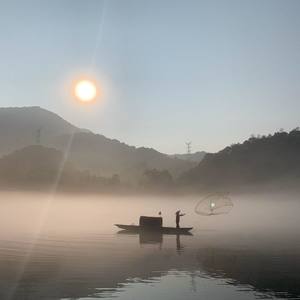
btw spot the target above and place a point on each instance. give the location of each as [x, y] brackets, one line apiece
[66, 246]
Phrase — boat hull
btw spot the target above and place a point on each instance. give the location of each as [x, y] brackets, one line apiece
[164, 230]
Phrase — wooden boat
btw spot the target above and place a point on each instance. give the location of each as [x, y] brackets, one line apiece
[164, 230]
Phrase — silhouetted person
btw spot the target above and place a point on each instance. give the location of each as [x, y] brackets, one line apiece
[178, 215]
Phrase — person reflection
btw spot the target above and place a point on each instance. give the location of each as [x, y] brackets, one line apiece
[179, 247]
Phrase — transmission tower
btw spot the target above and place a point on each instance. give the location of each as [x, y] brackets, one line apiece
[188, 147]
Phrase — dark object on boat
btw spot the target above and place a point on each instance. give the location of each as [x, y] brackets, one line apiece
[153, 224]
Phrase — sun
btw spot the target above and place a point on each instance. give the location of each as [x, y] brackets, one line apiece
[85, 90]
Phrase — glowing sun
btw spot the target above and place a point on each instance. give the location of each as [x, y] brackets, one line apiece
[85, 90]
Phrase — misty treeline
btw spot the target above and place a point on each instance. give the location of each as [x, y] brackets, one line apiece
[40, 167]
[272, 159]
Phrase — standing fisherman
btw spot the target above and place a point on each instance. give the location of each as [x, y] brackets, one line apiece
[178, 215]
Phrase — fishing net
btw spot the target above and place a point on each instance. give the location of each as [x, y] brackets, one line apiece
[214, 204]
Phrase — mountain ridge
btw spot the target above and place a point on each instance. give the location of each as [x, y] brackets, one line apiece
[24, 126]
[257, 161]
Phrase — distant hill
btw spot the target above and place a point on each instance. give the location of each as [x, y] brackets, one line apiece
[261, 160]
[42, 167]
[34, 165]
[195, 157]
[106, 157]
[21, 127]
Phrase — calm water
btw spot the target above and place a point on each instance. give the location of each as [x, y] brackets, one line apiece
[64, 247]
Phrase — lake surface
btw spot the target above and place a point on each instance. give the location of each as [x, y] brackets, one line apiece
[66, 247]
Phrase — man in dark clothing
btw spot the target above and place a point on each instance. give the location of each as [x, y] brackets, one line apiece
[178, 215]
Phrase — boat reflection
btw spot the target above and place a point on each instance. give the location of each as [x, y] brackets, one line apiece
[152, 237]
[145, 237]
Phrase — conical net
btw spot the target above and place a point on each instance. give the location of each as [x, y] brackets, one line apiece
[214, 204]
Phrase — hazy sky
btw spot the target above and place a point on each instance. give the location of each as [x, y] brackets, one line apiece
[210, 72]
